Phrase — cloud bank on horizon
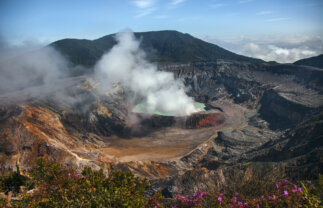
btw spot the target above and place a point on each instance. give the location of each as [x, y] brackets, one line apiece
[279, 48]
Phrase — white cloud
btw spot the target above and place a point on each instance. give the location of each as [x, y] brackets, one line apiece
[276, 53]
[279, 48]
[284, 55]
[143, 4]
[145, 7]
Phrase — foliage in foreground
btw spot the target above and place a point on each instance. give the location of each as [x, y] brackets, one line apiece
[53, 185]
[285, 195]
[57, 186]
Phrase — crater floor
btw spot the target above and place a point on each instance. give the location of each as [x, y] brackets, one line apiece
[170, 143]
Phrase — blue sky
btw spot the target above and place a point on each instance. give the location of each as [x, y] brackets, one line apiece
[226, 22]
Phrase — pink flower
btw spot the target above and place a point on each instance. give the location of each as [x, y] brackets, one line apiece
[197, 193]
[69, 175]
[179, 197]
[285, 193]
[234, 199]
[237, 194]
[300, 190]
[285, 181]
[220, 199]
[202, 194]
[258, 206]
[294, 190]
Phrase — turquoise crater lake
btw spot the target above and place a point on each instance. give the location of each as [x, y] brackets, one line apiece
[141, 108]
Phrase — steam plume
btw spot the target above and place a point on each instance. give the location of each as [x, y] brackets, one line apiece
[28, 74]
[39, 67]
[125, 63]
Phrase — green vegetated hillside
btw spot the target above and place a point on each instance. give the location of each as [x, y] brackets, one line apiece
[316, 61]
[160, 46]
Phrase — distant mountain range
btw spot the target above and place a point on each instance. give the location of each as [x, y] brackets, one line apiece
[160, 46]
[316, 61]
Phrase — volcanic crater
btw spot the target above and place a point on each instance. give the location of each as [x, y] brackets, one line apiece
[161, 138]
[261, 121]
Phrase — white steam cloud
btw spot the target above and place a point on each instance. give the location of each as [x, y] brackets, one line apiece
[125, 63]
[39, 67]
[29, 73]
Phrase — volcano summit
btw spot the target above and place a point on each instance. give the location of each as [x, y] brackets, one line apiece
[182, 112]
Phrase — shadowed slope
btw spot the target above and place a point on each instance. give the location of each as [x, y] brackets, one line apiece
[161, 46]
[316, 61]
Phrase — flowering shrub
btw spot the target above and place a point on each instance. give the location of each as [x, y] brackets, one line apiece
[53, 185]
[154, 201]
[285, 195]
[57, 186]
